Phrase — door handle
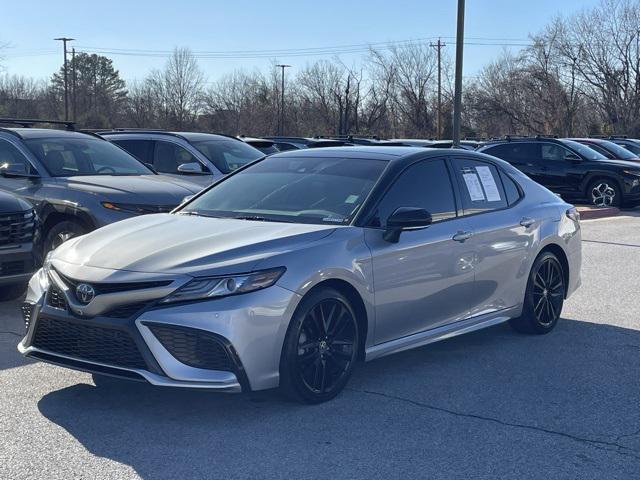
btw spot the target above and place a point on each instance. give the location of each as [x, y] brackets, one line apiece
[462, 236]
[527, 222]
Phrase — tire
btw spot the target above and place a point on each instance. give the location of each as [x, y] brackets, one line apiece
[321, 347]
[544, 296]
[604, 192]
[11, 292]
[61, 232]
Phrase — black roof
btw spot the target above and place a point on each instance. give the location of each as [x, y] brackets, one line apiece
[188, 136]
[27, 133]
[372, 152]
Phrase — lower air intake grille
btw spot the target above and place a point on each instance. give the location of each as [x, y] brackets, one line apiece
[88, 342]
[193, 347]
[55, 298]
[27, 311]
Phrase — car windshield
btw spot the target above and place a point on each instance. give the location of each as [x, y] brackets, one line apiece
[586, 152]
[67, 157]
[619, 152]
[287, 189]
[228, 155]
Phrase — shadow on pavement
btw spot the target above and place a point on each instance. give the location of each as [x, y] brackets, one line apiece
[564, 403]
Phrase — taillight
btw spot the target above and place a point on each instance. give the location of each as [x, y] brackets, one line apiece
[573, 214]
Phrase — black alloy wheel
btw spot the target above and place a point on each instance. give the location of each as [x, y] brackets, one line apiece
[604, 193]
[321, 347]
[544, 297]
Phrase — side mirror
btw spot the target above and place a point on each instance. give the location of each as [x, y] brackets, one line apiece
[191, 168]
[405, 218]
[16, 171]
[572, 157]
[186, 199]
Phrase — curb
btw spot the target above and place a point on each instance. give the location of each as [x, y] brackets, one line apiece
[590, 213]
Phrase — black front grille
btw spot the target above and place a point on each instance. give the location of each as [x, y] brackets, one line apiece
[27, 311]
[193, 347]
[88, 342]
[55, 297]
[112, 287]
[16, 228]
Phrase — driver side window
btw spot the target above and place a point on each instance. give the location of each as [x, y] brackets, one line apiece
[427, 185]
[167, 157]
[555, 153]
[12, 160]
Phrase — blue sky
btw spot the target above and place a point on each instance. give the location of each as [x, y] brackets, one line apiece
[30, 25]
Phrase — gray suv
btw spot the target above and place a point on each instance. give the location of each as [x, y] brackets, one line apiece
[201, 158]
[78, 182]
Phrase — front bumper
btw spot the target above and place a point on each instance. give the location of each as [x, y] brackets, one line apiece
[250, 328]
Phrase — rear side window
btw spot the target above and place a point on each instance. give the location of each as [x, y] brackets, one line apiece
[141, 149]
[480, 186]
[516, 152]
[423, 185]
[511, 190]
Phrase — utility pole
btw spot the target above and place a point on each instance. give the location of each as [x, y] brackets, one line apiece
[457, 99]
[64, 41]
[281, 116]
[438, 46]
[73, 81]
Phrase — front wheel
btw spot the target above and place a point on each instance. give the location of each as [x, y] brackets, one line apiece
[320, 348]
[544, 296]
[604, 193]
[60, 233]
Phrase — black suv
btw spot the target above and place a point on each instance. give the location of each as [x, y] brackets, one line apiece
[571, 169]
[609, 149]
[19, 232]
[631, 144]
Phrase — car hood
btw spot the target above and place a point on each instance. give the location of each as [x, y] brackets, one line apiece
[620, 163]
[140, 189]
[182, 244]
[11, 203]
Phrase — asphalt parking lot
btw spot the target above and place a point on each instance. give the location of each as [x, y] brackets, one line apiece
[492, 404]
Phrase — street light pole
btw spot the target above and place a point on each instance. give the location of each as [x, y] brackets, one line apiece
[281, 116]
[457, 100]
[64, 41]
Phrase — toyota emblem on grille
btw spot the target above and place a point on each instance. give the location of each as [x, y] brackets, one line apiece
[85, 293]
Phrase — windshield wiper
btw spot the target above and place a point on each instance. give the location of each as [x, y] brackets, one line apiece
[194, 213]
[258, 218]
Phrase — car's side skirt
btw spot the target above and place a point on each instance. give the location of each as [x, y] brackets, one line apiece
[442, 333]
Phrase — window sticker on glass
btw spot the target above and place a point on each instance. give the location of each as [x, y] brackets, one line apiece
[473, 186]
[488, 183]
[351, 199]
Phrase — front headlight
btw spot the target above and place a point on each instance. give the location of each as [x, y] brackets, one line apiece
[635, 173]
[223, 286]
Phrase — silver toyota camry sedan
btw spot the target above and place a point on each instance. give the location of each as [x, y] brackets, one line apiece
[294, 268]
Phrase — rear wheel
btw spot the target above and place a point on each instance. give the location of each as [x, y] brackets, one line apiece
[60, 233]
[544, 296]
[604, 192]
[320, 348]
